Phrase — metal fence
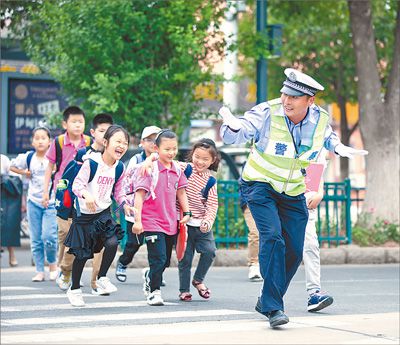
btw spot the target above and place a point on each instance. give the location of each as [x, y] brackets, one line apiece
[333, 223]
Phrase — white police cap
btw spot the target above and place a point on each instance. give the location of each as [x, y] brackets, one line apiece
[299, 84]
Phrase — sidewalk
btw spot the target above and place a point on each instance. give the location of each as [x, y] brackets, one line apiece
[345, 254]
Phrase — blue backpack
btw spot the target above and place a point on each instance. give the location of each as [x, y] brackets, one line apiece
[210, 182]
[29, 159]
[65, 198]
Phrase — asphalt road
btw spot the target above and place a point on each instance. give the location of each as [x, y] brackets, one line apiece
[366, 308]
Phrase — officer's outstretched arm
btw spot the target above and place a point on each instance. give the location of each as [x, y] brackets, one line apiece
[229, 119]
[349, 152]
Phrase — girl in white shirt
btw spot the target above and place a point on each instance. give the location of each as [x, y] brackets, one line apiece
[42, 221]
[94, 228]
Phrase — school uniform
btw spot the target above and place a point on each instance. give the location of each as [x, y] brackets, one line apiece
[89, 231]
[159, 218]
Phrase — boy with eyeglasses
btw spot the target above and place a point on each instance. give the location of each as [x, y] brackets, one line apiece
[134, 242]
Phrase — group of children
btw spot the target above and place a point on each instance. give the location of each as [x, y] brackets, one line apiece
[156, 199]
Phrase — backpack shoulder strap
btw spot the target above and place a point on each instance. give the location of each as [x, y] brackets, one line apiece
[154, 179]
[88, 140]
[29, 159]
[59, 142]
[81, 152]
[210, 183]
[119, 169]
[93, 168]
[188, 170]
[177, 168]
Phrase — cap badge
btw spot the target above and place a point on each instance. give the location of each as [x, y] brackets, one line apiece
[292, 77]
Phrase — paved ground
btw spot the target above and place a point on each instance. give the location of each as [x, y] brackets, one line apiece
[365, 311]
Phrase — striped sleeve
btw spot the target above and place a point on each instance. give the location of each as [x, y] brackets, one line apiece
[201, 209]
[211, 207]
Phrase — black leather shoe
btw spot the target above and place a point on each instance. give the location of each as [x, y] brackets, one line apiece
[258, 307]
[277, 318]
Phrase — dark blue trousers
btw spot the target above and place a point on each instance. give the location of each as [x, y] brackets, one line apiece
[133, 244]
[159, 250]
[281, 221]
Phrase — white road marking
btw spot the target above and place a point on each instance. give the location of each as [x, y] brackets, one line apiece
[333, 329]
[17, 288]
[78, 319]
[39, 296]
[67, 306]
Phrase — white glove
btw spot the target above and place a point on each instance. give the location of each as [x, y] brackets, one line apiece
[349, 152]
[231, 121]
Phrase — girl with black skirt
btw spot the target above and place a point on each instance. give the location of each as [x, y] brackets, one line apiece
[92, 226]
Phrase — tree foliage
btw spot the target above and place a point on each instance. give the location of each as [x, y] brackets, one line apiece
[317, 40]
[138, 60]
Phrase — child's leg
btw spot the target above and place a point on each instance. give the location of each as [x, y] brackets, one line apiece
[110, 249]
[97, 259]
[311, 255]
[77, 269]
[64, 259]
[186, 263]
[157, 256]
[170, 241]
[132, 245]
[205, 245]
[50, 235]
[35, 214]
[252, 238]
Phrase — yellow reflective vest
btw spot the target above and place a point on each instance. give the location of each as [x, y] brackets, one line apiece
[280, 165]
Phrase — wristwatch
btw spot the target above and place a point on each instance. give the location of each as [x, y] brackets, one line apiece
[188, 213]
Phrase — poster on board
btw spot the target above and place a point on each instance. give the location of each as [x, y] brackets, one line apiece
[29, 101]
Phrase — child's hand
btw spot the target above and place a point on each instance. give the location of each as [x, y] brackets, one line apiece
[27, 173]
[313, 200]
[90, 202]
[129, 210]
[45, 200]
[204, 227]
[185, 219]
[137, 228]
[146, 168]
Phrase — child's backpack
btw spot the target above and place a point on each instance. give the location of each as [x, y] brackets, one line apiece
[210, 182]
[29, 159]
[65, 198]
[59, 143]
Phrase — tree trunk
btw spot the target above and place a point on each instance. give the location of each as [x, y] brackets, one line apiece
[345, 131]
[379, 116]
[344, 136]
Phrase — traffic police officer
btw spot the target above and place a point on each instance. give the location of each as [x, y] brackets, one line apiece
[288, 134]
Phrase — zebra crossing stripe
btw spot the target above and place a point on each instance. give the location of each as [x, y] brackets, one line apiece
[39, 296]
[67, 306]
[17, 288]
[79, 319]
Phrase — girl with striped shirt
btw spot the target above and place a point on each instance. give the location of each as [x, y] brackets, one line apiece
[204, 158]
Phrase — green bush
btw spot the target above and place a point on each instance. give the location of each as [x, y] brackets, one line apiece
[380, 232]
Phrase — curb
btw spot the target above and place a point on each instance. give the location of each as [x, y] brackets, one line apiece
[350, 254]
[345, 254]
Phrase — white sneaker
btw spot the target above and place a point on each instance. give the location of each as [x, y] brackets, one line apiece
[63, 281]
[75, 297]
[53, 275]
[254, 273]
[99, 292]
[154, 298]
[105, 284]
